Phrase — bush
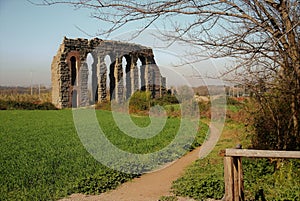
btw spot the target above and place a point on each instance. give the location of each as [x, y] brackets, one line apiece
[139, 101]
[166, 99]
[46, 106]
[271, 180]
[232, 101]
[11, 105]
[105, 105]
[272, 124]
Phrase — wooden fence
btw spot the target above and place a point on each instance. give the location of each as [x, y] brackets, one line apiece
[233, 171]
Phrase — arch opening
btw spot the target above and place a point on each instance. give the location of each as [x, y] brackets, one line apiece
[141, 74]
[74, 96]
[73, 70]
[92, 78]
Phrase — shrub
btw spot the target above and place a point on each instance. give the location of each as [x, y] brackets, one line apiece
[139, 101]
[272, 124]
[166, 99]
[46, 106]
[271, 180]
[11, 105]
[232, 101]
[105, 105]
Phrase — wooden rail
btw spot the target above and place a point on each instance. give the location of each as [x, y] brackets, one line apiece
[233, 171]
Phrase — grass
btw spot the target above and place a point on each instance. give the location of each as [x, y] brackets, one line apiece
[264, 179]
[204, 178]
[42, 157]
[18, 97]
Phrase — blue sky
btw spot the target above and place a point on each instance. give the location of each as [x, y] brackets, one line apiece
[30, 36]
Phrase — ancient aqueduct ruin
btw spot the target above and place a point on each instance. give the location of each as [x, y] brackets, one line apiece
[116, 81]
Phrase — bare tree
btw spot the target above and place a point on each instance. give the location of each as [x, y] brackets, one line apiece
[261, 36]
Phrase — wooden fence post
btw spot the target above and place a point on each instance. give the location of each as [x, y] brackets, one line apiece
[228, 177]
[241, 179]
[233, 177]
[233, 171]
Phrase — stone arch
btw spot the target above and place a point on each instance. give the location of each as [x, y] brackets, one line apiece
[139, 66]
[128, 75]
[92, 77]
[106, 65]
[112, 77]
[143, 60]
[70, 62]
[73, 68]
[100, 74]
[73, 63]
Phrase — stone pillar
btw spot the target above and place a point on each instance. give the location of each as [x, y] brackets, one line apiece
[83, 85]
[134, 74]
[119, 85]
[94, 78]
[142, 73]
[101, 78]
[149, 76]
[128, 76]
[146, 75]
[158, 82]
[65, 82]
[163, 86]
[152, 77]
[112, 80]
[63, 85]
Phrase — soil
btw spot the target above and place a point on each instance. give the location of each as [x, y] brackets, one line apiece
[148, 187]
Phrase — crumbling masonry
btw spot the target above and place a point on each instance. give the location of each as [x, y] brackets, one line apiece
[118, 81]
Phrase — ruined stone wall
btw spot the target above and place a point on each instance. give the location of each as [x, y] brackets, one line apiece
[70, 61]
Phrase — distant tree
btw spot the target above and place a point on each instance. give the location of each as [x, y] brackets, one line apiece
[260, 36]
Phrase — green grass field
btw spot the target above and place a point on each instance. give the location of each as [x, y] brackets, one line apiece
[42, 157]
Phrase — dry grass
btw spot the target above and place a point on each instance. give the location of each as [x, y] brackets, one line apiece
[35, 98]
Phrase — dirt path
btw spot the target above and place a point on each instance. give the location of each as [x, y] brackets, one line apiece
[149, 187]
